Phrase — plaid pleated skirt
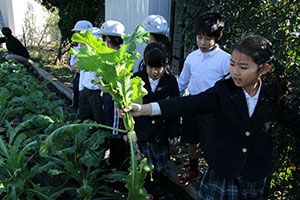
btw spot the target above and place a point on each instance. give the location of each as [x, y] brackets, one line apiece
[213, 187]
[157, 155]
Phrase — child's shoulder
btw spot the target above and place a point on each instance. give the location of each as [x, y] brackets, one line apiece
[220, 53]
[196, 52]
[139, 73]
[225, 83]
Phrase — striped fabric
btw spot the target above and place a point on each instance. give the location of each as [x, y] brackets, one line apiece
[213, 187]
[116, 119]
[157, 155]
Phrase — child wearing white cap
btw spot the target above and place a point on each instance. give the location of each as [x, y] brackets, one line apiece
[111, 32]
[79, 26]
[82, 25]
[157, 25]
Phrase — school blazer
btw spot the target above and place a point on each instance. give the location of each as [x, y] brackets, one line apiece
[238, 145]
[157, 129]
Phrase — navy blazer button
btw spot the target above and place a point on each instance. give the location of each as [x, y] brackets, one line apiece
[247, 133]
[244, 150]
[153, 122]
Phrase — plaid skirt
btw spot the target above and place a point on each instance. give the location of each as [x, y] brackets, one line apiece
[213, 187]
[157, 155]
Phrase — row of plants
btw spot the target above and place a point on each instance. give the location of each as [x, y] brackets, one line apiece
[279, 22]
[44, 152]
[49, 154]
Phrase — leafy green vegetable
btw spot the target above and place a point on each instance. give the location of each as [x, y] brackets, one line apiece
[115, 68]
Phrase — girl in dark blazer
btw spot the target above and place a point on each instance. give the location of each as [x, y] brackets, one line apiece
[154, 132]
[239, 151]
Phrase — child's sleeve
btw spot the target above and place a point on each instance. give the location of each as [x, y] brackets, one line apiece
[202, 103]
[184, 78]
[226, 64]
[173, 124]
[73, 61]
[289, 117]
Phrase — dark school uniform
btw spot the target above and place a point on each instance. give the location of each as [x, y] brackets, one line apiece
[119, 148]
[239, 146]
[90, 99]
[155, 130]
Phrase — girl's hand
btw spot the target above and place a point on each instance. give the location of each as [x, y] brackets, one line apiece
[137, 110]
[173, 141]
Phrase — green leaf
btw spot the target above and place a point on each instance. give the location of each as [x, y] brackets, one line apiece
[115, 68]
[50, 143]
[85, 190]
[138, 90]
[3, 148]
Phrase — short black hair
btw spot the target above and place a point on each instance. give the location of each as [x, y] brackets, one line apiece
[6, 31]
[114, 40]
[155, 55]
[210, 24]
[163, 39]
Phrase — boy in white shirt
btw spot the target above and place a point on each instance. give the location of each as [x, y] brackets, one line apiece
[202, 68]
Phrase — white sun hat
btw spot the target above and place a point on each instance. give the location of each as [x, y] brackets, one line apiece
[82, 25]
[112, 28]
[156, 24]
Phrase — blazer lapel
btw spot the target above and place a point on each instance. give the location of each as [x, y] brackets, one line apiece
[145, 78]
[263, 104]
[161, 82]
[239, 101]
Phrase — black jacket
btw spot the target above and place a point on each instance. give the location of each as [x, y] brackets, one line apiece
[239, 145]
[157, 129]
[15, 46]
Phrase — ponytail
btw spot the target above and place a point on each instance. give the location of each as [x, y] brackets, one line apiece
[278, 83]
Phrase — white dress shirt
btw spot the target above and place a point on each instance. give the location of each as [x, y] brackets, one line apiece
[85, 81]
[72, 59]
[153, 83]
[252, 101]
[202, 70]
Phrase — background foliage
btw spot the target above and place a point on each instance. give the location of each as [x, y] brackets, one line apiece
[277, 20]
[69, 13]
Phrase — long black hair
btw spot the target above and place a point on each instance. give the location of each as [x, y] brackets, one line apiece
[259, 49]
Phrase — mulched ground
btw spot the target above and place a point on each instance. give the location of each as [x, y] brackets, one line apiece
[179, 156]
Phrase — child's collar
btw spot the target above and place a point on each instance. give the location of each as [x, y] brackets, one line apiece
[257, 92]
[210, 53]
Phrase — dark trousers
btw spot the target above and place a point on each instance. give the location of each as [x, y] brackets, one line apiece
[119, 153]
[75, 96]
[108, 109]
[91, 105]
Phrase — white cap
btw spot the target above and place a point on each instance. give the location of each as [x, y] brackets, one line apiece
[82, 25]
[96, 32]
[112, 28]
[156, 24]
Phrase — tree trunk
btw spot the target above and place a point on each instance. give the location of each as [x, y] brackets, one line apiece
[64, 46]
